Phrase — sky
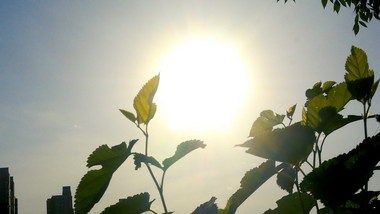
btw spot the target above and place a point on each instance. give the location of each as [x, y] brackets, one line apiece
[66, 67]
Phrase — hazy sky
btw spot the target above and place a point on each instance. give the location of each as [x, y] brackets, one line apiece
[67, 67]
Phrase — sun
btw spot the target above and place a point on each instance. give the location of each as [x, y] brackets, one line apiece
[202, 85]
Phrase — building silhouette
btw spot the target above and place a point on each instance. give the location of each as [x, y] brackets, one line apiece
[8, 201]
[60, 204]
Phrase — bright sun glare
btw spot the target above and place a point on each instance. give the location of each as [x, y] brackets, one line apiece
[202, 85]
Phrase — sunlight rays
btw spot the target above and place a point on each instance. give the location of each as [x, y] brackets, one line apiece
[202, 85]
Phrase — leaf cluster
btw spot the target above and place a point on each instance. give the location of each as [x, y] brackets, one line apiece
[94, 184]
[364, 10]
[339, 183]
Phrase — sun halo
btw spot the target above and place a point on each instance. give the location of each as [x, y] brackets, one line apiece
[202, 85]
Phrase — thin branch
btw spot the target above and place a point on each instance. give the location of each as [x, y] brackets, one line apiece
[309, 163]
[162, 180]
[303, 173]
[150, 170]
[152, 211]
[299, 192]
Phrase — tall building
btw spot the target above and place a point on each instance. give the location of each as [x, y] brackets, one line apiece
[60, 204]
[8, 201]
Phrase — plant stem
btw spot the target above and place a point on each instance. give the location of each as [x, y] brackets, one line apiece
[162, 180]
[299, 192]
[303, 173]
[365, 120]
[316, 150]
[316, 205]
[309, 164]
[159, 188]
[320, 150]
[365, 116]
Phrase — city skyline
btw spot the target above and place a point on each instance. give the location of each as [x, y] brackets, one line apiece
[60, 204]
[8, 200]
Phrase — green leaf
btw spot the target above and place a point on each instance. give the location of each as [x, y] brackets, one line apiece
[338, 121]
[376, 16]
[336, 6]
[327, 86]
[291, 144]
[265, 122]
[261, 125]
[362, 23]
[343, 2]
[356, 28]
[182, 150]
[207, 207]
[324, 3]
[358, 77]
[374, 88]
[327, 210]
[364, 201]
[322, 111]
[143, 102]
[128, 115]
[354, 168]
[292, 204]
[141, 158]
[304, 121]
[132, 205]
[286, 178]
[110, 158]
[290, 112]
[251, 181]
[338, 96]
[93, 184]
[314, 91]
[272, 118]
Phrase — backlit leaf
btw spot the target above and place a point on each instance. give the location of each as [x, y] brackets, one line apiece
[315, 91]
[261, 125]
[141, 158]
[110, 157]
[286, 178]
[95, 182]
[327, 86]
[358, 77]
[354, 168]
[304, 121]
[338, 96]
[291, 144]
[364, 202]
[272, 118]
[291, 204]
[338, 121]
[290, 112]
[128, 115]
[132, 205]
[182, 150]
[265, 122]
[322, 111]
[143, 102]
[251, 181]
[207, 207]
[374, 88]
